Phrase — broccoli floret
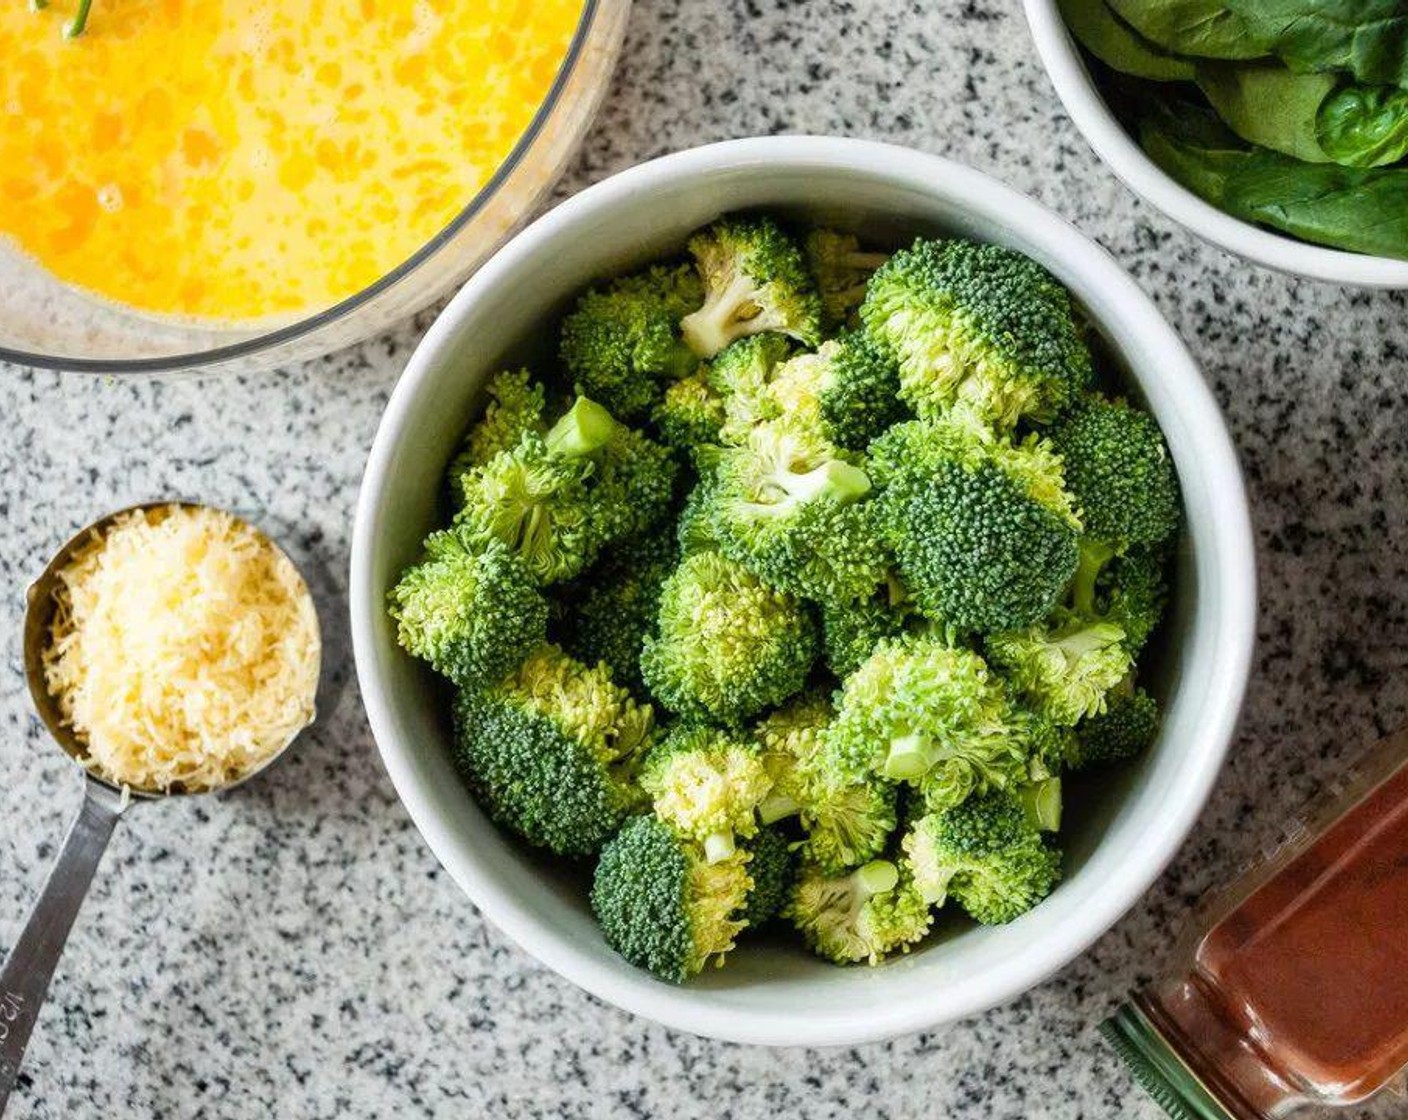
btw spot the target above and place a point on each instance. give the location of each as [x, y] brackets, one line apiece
[922, 712]
[845, 824]
[1063, 668]
[851, 631]
[616, 605]
[621, 343]
[726, 645]
[788, 505]
[516, 405]
[984, 854]
[1119, 472]
[978, 325]
[556, 499]
[865, 915]
[473, 615]
[847, 389]
[790, 741]
[840, 269]
[773, 868]
[693, 531]
[537, 503]
[662, 906]
[634, 485]
[690, 415]
[740, 376]
[982, 529]
[755, 280]
[707, 784]
[1127, 726]
[1132, 591]
[549, 750]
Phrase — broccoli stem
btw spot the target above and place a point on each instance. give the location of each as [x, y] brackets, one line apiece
[776, 807]
[706, 331]
[910, 757]
[875, 877]
[74, 28]
[835, 479]
[586, 427]
[1086, 639]
[718, 846]
[38, 5]
[1094, 555]
[1042, 802]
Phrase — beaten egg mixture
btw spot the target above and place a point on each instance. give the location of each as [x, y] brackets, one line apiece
[241, 159]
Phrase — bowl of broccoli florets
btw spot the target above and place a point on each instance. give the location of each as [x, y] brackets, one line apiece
[802, 591]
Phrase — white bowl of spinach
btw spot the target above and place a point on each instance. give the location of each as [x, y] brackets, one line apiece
[1277, 129]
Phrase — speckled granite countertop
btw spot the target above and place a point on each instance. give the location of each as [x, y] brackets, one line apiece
[295, 951]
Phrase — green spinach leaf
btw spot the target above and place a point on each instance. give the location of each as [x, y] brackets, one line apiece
[1367, 38]
[1267, 104]
[1202, 28]
[1194, 147]
[1118, 45]
[1364, 126]
[1361, 209]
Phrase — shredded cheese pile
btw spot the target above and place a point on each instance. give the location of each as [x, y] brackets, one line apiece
[185, 649]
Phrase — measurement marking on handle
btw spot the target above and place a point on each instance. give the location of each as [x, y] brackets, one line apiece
[11, 1004]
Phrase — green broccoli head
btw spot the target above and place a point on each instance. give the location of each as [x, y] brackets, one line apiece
[693, 531]
[622, 344]
[840, 269]
[986, 855]
[1119, 472]
[980, 326]
[1064, 667]
[634, 485]
[1132, 592]
[662, 906]
[616, 603]
[474, 615]
[865, 915]
[847, 390]
[516, 405]
[982, 528]
[690, 415]
[844, 823]
[1127, 727]
[850, 631]
[537, 504]
[755, 279]
[788, 505]
[773, 868]
[549, 751]
[726, 645]
[707, 784]
[923, 712]
[790, 741]
[741, 376]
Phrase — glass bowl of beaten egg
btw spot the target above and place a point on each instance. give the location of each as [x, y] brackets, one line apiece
[246, 183]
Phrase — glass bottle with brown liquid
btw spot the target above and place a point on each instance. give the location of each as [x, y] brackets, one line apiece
[1292, 991]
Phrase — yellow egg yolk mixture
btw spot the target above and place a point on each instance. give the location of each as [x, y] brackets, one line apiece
[237, 160]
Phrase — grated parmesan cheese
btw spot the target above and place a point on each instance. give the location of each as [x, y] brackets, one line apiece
[185, 649]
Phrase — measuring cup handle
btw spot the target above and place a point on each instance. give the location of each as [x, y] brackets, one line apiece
[25, 978]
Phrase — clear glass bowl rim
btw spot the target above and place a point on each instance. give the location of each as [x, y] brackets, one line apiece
[168, 363]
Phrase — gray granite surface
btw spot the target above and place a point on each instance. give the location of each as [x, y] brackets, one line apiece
[294, 950]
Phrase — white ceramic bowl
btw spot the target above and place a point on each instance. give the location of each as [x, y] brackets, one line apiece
[1066, 67]
[1122, 831]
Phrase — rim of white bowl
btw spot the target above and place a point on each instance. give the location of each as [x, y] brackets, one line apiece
[1061, 57]
[637, 992]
